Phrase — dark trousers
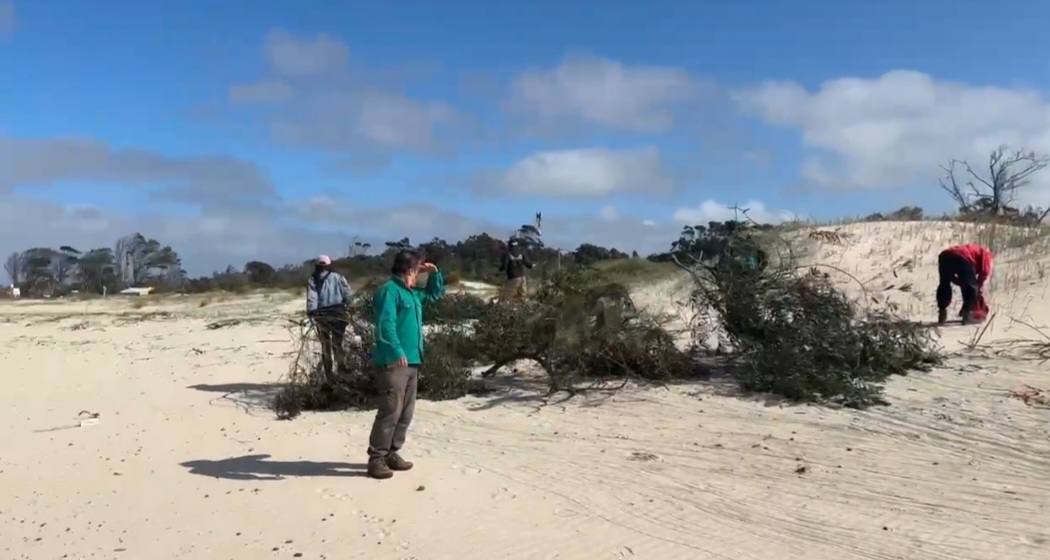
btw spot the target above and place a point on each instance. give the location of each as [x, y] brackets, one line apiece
[331, 329]
[397, 403]
[952, 267]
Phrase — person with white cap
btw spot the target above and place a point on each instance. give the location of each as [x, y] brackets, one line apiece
[327, 299]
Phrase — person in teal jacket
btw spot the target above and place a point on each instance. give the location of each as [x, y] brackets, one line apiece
[398, 355]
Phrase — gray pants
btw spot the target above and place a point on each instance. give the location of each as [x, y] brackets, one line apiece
[397, 402]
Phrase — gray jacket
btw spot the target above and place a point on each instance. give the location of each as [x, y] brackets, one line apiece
[334, 290]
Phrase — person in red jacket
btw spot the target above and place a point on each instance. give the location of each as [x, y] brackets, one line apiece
[968, 266]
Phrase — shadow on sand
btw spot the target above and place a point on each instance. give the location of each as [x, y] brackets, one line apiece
[249, 396]
[713, 376]
[257, 467]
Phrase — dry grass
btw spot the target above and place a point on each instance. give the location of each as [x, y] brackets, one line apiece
[635, 271]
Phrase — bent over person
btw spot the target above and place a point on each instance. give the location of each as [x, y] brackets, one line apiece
[968, 266]
[327, 299]
[398, 355]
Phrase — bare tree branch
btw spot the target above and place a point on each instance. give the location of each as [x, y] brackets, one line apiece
[993, 195]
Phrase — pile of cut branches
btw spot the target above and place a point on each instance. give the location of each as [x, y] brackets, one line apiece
[793, 333]
[576, 326]
[309, 387]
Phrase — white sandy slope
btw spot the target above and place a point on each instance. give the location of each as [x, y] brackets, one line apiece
[182, 462]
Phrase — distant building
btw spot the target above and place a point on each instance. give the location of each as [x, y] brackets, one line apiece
[137, 291]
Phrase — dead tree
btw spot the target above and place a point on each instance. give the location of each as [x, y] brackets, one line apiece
[994, 194]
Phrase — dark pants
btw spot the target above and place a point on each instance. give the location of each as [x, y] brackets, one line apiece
[397, 403]
[951, 266]
[331, 329]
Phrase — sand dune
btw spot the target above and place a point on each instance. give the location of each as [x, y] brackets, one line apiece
[174, 455]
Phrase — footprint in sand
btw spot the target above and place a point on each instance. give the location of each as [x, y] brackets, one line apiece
[503, 494]
[382, 529]
[466, 469]
[1036, 540]
[327, 494]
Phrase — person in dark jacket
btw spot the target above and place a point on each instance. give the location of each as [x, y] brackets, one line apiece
[514, 262]
[398, 354]
[968, 266]
[327, 301]
[743, 257]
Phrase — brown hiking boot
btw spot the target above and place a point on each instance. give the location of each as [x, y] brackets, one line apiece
[396, 463]
[942, 316]
[378, 469]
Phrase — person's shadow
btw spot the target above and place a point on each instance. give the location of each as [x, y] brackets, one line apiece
[257, 467]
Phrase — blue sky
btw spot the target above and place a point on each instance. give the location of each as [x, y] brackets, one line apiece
[618, 120]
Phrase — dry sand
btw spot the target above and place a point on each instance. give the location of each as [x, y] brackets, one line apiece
[183, 461]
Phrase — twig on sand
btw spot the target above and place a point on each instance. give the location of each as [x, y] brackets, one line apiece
[1032, 396]
[84, 418]
[1025, 348]
[975, 340]
[223, 323]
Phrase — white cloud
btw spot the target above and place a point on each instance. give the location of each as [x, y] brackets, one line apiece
[212, 179]
[897, 129]
[261, 93]
[713, 211]
[604, 92]
[626, 233]
[399, 122]
[587, 173]
[289, 55]
[317, 103]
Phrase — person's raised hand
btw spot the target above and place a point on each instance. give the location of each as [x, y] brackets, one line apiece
[429, 267]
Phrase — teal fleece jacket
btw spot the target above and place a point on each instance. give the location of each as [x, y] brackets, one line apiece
[399, 319]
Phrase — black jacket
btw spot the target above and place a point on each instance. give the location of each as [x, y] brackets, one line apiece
[514, 266]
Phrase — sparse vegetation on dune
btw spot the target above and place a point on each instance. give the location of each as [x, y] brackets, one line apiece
[786, 328]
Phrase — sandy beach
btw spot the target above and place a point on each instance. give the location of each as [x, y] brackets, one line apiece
[136, 431]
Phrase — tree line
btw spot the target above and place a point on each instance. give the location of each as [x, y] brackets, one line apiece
[134, 260]
[139, 261]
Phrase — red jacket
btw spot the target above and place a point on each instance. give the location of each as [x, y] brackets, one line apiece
[977, 255]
